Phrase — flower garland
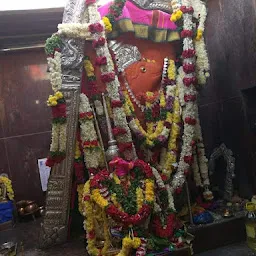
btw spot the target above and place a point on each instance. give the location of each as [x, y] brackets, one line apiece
[8, 184]
[189, 109]
[176, 11]
[92, 151]
[89, 223]
[129, 243]
[173, 89]
[115, 10]
[59, 126]
[144, 198]
[152, 137]
[202, 62]
[74, 30]
[109, 77]
[56, 102]
[100, 194]
[162, 186]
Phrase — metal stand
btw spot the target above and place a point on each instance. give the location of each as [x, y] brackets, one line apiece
[189, 204]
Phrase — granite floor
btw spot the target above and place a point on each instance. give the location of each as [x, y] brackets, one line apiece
[26, 235]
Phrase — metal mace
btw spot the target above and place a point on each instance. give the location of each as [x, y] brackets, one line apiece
[112, 150]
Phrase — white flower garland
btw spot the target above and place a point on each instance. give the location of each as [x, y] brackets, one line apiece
[161, 185]
[59, 130]
[93, 156]
[55, 137]
[202, 160]
[62, 137]
[188, 109]
[112, 87]
[54, 65]
[74, 30]
[202, 62]
[196, 172]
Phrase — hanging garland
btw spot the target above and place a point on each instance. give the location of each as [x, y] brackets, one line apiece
[189, 109]
[92, 151]
[59, 126]
[101, 181]
[8, 184]
[56, 102]
[108, 77]
[89, 224]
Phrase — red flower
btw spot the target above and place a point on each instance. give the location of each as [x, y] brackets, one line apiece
[164, 177]
[167, 231]
[59, 111]
[188, 68]
[108, 77]
[57, 49]
[188, 159]
[90, 2]
[87, 198]
[86, 115]
[156, 111]
[189, 97]
[91, 234]
[96, 28]
[189, 81]
[50, 162]
[119, 131]
[190, 120]
[116, 104]
[102, 60]
[125, 146]
[186, 33]
[167, 124]
[190, 53]
[193, 143]
[89, 144]
[97, 43]
[186, 9]
[178, 190]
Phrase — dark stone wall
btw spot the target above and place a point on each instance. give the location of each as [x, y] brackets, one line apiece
[24, 120]
[231, 41]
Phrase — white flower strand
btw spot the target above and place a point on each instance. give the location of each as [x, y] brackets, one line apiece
[202, 160]
[55, 140]
[188, 109]
[74, 30]
[196, 172]
[54, 65]
[62, 137]
[202, 62]
[93, 157]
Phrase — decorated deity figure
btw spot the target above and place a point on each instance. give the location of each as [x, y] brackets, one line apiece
[148, 60]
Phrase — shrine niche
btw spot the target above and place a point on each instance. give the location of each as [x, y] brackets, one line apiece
[227, 154]
[125, 78]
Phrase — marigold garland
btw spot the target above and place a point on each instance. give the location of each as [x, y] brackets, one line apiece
[8, 184]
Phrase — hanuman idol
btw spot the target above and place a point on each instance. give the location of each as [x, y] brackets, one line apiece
[138, 134]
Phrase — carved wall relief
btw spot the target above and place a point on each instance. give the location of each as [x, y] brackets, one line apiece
[55, 223]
